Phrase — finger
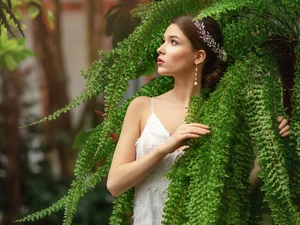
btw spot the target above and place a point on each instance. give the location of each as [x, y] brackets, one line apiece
[185, 137]
[284, 130]
[286, 134]
[279, 119]
[182, 148]
[203, 132]
[282, 124]
[195, 130]
[199, 125]
[192, 135]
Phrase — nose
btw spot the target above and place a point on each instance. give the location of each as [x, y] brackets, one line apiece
[161, 50]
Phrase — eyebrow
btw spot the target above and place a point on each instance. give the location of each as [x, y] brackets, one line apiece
[172, 36]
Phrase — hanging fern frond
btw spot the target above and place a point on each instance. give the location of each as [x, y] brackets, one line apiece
[122, 64]
[223, 7]
[55, 207]
[236, 199]
[296, 97]
[267, 143]
[207, 159]
[208, 168]
[295, 124]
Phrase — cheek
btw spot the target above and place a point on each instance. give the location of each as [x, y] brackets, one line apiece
[182, 56]
[182, 60]
[177, 61]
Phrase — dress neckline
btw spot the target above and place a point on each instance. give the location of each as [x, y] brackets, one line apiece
[159, 123]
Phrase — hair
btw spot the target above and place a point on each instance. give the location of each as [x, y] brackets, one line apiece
[214, 68]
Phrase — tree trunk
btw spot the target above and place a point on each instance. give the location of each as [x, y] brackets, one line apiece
[10, 113]
[95, 27]
[48, 51]
[95, 32]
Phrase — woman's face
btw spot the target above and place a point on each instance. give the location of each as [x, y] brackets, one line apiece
[175, 54]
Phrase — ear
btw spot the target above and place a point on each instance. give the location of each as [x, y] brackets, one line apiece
[200, 57]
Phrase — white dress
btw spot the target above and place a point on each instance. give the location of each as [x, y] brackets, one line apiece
[150, 193]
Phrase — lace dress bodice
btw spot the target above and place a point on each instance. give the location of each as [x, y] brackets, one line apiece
[150, 193]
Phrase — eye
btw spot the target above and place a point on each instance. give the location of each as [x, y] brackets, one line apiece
[173, 42]
[163, 41]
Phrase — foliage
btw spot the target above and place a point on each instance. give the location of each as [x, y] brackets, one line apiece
[12, 49]
[209, 184]
[6, 8]
[10, 14]
[119, 23]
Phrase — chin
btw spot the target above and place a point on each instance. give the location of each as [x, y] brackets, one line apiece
[163, 73]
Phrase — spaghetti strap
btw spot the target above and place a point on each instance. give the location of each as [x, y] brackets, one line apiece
[152, 105]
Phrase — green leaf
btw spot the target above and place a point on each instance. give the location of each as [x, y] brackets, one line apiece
[81, 138]
[50, 18]
[33, 11]
[10, 62]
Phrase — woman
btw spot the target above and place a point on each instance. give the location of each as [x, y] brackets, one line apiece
[154, 129]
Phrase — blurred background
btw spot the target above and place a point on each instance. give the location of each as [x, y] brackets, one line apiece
[40, 74]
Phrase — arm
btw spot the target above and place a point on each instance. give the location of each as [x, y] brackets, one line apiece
[125, 171]
[284, 131]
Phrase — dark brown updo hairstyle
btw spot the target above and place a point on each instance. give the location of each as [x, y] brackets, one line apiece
[214, 68]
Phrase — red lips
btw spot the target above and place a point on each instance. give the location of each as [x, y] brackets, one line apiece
[160, 61]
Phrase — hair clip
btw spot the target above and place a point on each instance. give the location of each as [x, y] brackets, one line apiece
[210, 41]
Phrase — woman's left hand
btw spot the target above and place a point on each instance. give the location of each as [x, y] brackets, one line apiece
[284, 128]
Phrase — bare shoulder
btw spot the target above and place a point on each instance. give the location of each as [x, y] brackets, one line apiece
[135, 114]
[140, 100]
[165, 96]
[139, 104]
[139, 111]
[138, 108]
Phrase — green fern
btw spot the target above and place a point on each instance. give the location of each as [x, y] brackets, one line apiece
[295, 155]
[296, 97]
[267, 144]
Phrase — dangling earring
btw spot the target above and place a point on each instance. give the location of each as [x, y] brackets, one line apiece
[196, 76]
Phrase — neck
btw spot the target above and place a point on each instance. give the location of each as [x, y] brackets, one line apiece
[183, 91]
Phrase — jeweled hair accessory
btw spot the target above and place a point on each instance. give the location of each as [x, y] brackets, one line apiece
[210, 41]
